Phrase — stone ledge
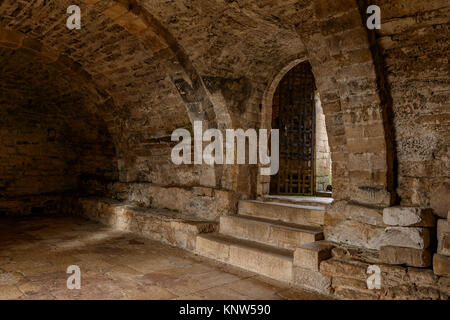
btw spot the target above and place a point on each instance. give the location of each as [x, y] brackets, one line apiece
[167, 226]
[310, 255]
[408, 217]
[354, 233]
[407, 256]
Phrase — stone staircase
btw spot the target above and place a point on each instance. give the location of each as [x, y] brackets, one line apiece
[264, 236]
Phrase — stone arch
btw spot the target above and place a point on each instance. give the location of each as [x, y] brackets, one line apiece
[345, 69]
[155, 50]
[54, 129]
[338, 48]
[203, 102]
[139, 21]
[266, 113]
[11, 39]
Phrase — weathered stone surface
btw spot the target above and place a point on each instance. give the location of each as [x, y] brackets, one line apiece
[121, 72]
[408, 217]
[406, 256]
[418, 238]
[356, 253]
[422, 277]
[348, 271]
[212, 248]
[353, 289]
[441, 265]
[445, 248]
[291, 213]
[117, 265]
[157, 224]
[443, 236]
[342, 210]
[310, 255]
[444, 286]
[311, 280]
[367, 236]
[204, 203]
[270, 262]
[345, 269]
[355, 233]
[393, 276]
[265, 231]
[440, 200]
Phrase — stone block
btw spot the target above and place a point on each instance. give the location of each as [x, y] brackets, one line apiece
[169, 227]
[441, 265]
[444, 287]
[225, 202]
[203, 191]
[245, 229]
[311, 280]
[48, 54]
[260, 261]
[408, 217]
[353, 289]
[409, 237]
[445, 248]
[310, 255]
[443, 237]
[440, 201]
[116, 11]
[212, 248]
[422, 277]
[366, 215]
[346, 269]
[11, 39]
[407, 256]
[291, 213]
[392, 275]
[355, 233]
[132, 23]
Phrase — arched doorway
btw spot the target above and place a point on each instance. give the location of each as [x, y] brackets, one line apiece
[305, 162]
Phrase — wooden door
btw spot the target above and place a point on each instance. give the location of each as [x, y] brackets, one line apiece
[293, 114]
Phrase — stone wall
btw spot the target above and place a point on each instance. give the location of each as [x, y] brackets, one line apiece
[141, 69]
[49, 143]
[346, 275]
[414, 40]
[322, 150]
[202, 202]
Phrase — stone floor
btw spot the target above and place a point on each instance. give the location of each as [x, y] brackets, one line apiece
[35, 253]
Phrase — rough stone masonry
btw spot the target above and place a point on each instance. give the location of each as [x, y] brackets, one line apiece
[86, 118]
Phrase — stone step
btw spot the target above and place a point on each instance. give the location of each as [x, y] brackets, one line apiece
[304, 200]
[310, 255]
[266, 260]
[162, 225]
[287, 212]
[279, 234]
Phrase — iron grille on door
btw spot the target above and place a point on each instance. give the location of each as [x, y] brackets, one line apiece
[293, 114]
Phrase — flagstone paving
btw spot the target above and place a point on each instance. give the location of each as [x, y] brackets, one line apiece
[35, 253]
